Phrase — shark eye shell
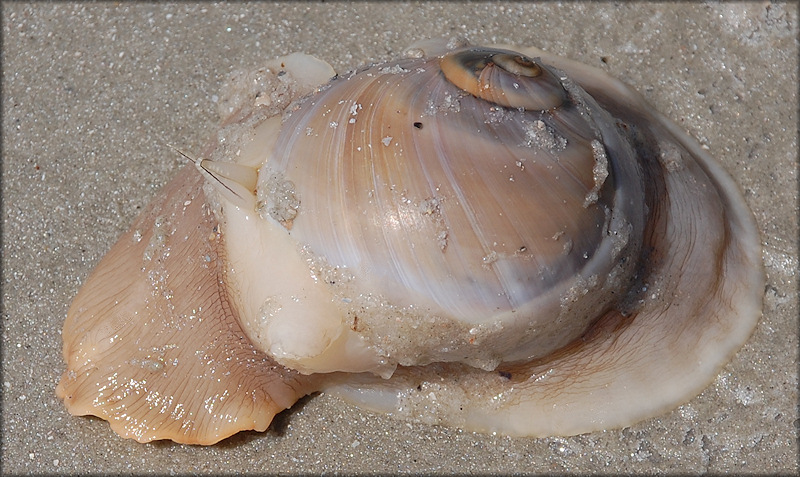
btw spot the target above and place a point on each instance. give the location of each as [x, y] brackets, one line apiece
[519, 235]
[509, 226]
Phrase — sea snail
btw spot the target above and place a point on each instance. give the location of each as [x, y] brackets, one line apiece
[503, 241]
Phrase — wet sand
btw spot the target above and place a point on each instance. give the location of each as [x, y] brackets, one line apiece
[92, 93]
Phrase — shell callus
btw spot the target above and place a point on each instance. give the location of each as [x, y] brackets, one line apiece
[506, 231]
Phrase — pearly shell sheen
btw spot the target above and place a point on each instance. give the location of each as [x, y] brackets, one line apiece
[490, 238]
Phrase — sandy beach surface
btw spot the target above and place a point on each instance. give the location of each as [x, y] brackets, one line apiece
[92, 93]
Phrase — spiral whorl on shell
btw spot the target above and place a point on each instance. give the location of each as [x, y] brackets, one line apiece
[477, 191]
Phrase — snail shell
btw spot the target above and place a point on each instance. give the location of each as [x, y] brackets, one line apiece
[476, 237]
